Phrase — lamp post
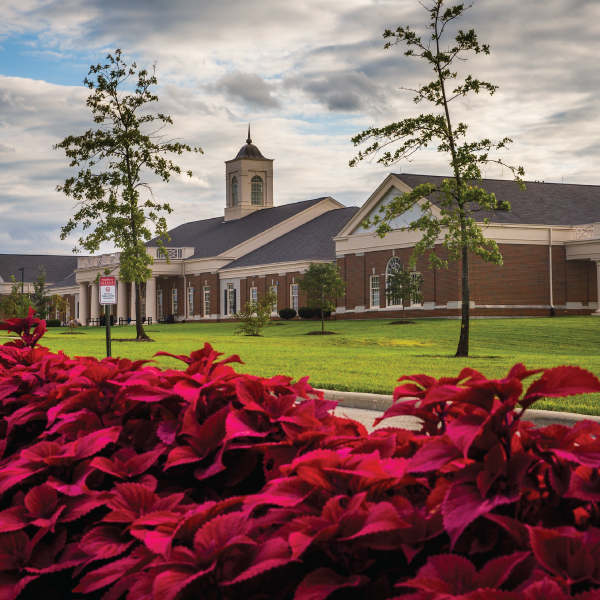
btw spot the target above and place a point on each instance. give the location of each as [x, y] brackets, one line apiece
[22, 269]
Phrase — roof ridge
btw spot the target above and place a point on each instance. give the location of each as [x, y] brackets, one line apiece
[493, 179]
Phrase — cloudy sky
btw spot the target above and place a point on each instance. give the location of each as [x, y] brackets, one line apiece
[308, 74]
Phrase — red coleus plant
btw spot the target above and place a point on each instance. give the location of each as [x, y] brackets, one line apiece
[122, 481]
[23, 327]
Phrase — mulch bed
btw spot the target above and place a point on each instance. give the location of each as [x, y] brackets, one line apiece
[403, 323]
[72, 333]
[321, 333]
[129, 340]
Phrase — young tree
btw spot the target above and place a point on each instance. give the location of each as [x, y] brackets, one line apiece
[458, 198]
[113, 197]
[256, 315]
[60, 304]
[39, 300]
[403, 285]
[16, 304]
[323, 286]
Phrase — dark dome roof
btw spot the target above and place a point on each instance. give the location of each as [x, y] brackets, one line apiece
[250, 150]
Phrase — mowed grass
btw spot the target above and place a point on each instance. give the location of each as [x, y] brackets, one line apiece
[368, 356]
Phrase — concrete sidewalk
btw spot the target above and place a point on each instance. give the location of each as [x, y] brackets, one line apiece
[365, 408]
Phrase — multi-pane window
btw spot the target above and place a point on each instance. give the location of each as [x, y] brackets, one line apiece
[257, 190]
[416, 276]
[68, 312]
[273, 290]
[234, 191]
[394, 265]
[159, 304]
[375, 291]
[253, 294]
[207, 301]
[231, 298]
[294, 296]
[174, 301]
[190, 295]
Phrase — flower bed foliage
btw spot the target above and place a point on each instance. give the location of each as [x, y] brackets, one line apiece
[119, 480]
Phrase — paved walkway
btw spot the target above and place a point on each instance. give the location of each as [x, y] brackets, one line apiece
[365, 408]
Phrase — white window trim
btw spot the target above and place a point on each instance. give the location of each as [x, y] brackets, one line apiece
[414, 275]
[273, 288]
[190, 305]
[253, 292]
[372, 290]
[174, 302]
[296, 296]
[159, 304]
[206, 299]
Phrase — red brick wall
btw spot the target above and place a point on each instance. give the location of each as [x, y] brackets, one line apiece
[523, 279]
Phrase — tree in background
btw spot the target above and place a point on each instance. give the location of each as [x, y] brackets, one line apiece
[323, 286]
[458, 198]
[256, 315]
[60, 304]
[39, 299]
[403, 285]
[112, 196]
[16, 304]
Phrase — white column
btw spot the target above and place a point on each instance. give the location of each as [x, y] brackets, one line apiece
[133, 303]
[121, 300]
[94, 302]
[597, 313]
[151, 299]
[83, 302]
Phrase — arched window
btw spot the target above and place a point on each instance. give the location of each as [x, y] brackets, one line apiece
[234, 192]
[394, 265]
[257, 190]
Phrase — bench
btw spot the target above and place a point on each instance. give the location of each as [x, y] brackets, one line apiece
[167, 319]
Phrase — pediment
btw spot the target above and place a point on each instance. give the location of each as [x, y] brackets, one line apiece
[383, 195]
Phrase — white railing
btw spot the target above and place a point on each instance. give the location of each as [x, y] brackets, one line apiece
[86, 262]
[172, 253]
[583, 232]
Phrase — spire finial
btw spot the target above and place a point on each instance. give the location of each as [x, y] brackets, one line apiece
[249, 140]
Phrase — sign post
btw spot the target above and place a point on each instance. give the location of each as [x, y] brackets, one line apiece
[107, 287]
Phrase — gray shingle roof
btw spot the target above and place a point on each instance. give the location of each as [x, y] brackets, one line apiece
[539, 204]
[57, 267]
[66, 282]
[212, 237]
[311, 241]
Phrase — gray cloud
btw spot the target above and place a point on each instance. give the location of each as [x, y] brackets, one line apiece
[247, 87]
[341, 92]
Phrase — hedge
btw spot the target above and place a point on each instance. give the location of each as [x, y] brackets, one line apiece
[120, 480]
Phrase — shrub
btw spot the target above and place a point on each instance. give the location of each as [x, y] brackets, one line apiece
[326, 314]
[53, 323]
[119, 480]
[287, 313]
[305, 312]
[256, 315]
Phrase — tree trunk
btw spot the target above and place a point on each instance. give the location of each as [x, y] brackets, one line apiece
[463, 342]
[139, 326]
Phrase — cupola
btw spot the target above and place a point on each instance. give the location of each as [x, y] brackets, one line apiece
[249, 180]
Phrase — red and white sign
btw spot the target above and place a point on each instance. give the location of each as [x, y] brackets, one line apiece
[107, 286]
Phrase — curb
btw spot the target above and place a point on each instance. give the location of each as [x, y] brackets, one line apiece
[380, 403]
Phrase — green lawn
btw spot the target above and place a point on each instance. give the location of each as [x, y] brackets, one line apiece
[369, 356]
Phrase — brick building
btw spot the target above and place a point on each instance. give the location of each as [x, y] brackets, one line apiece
[549, 240]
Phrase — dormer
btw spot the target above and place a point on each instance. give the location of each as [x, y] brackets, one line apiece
[249, 181]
